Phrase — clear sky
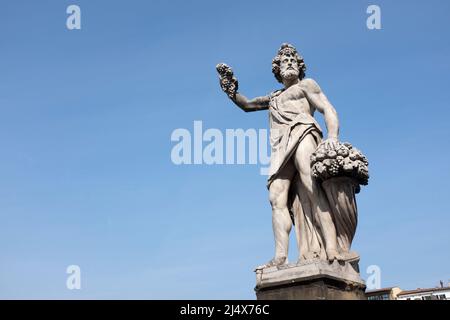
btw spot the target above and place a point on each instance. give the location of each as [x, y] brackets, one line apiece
[86, 117]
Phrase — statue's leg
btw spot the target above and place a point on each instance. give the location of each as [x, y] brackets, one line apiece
[281, 220]
[309, 240]
[316, 196]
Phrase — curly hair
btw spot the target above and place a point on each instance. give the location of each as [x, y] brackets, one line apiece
[289, 50]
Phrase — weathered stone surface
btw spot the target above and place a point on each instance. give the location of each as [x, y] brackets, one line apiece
[310, 281]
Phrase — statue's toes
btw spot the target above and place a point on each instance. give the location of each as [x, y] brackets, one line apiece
[334, 255]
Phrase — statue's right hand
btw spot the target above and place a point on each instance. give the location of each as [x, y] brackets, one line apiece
[228, 82]
[224, 70]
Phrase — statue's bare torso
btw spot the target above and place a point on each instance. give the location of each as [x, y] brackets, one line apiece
[294, 98]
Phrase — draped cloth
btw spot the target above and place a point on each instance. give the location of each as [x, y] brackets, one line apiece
[288, 127]
[340, 192]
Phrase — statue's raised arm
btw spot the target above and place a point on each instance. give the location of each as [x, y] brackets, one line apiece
[229, 85]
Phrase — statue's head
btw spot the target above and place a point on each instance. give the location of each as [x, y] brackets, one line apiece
[288, 64]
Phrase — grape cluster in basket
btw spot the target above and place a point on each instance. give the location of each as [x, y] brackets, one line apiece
[342, 161]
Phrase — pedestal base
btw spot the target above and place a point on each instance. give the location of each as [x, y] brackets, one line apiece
[315, 280]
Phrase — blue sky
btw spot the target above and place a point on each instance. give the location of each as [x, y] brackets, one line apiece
[86, 118]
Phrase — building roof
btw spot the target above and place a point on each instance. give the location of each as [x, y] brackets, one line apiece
[380, 290]
[419, 290]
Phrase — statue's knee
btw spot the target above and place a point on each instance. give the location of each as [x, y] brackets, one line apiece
[277, 201]
[278, 194]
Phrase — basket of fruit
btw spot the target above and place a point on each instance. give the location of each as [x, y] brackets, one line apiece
[341, 170]
[342, 161]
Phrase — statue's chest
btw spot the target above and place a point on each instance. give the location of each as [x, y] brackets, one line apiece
[290, 95]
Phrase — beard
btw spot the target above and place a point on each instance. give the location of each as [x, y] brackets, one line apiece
[289, 74]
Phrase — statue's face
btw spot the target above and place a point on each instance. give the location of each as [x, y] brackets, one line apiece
[289, 67]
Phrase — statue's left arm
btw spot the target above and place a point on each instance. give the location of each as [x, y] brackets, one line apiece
[319, 101]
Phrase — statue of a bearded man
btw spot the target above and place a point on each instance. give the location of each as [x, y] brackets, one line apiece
[296, 195]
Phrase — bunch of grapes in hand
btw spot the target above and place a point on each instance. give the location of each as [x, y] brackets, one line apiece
[228, 82]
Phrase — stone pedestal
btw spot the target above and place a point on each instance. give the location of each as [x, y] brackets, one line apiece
[314, 280]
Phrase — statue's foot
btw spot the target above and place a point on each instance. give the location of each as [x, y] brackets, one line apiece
[333, 254]
[272, 263]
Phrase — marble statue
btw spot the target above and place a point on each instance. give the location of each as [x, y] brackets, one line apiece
[312, 182]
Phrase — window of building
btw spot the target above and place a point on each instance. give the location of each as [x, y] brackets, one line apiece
[384, 296]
